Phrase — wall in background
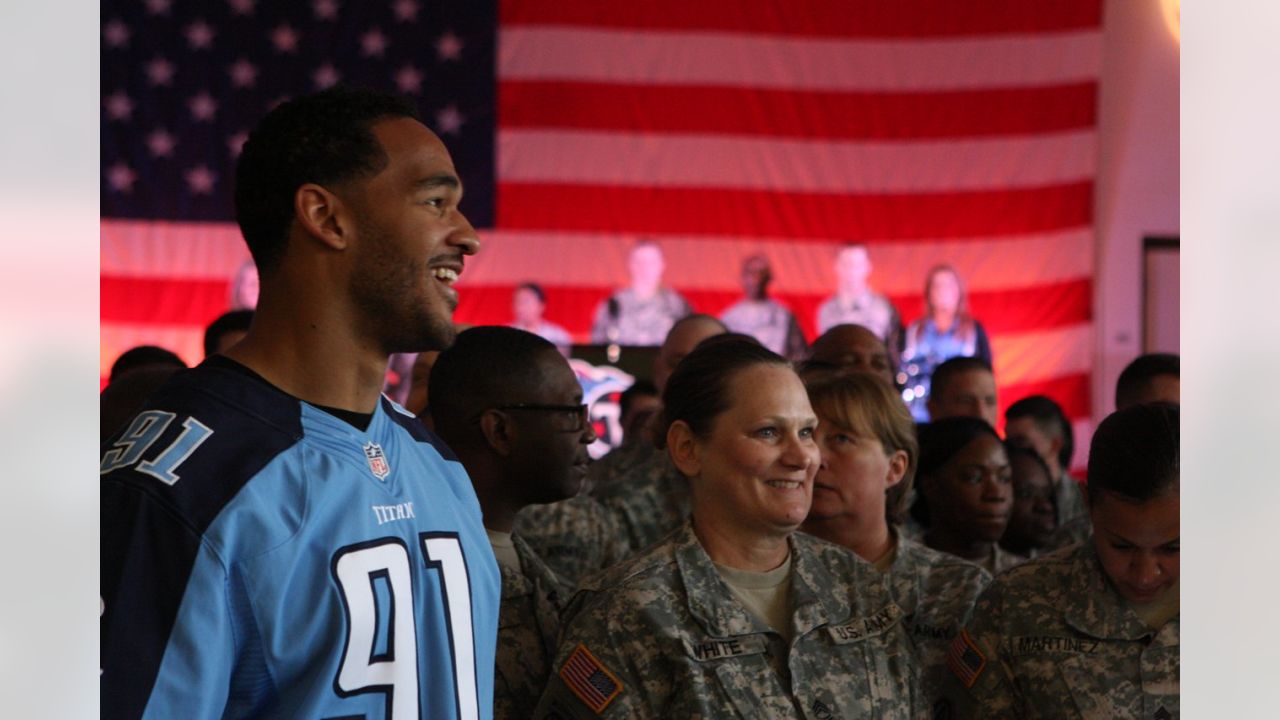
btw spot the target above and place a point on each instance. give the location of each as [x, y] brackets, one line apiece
[1137, 182]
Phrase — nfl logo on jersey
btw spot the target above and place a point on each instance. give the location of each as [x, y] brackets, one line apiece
[377, 460]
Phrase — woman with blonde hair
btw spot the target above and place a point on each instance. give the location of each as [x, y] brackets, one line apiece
[868, 448]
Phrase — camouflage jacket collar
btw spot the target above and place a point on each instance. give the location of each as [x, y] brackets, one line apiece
[908, 570]
[1099, 611]
[534, 575]
[713, 605]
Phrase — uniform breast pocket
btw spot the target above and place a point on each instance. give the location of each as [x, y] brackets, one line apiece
[883, 674]
[732, 678]
[1102, 685]
[1066, 677]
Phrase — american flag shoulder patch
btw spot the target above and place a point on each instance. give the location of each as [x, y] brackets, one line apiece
[965, 659]
[589, 680]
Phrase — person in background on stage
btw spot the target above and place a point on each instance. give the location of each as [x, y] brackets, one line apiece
[856, 303]
[947, 330]
[762, 317]
[643, 312]
[527, 305]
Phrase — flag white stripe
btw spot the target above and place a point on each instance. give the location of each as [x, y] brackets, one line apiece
[511, 257]
[171, 250]
[791, 63]
[790, 165]
[213, 251]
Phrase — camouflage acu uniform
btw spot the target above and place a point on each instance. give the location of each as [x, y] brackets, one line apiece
[662, 636]
[575, 537]
[1074, 524]
[649, 500]
[1053, 639]
[639, 498]
[528, 625]
[639, 321]
[936, 592]
[1001, 560]
[617, 465]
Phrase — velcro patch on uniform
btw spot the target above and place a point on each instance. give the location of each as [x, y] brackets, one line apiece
[965, 659]
[862, 628]
[717, 648]
[594, 685]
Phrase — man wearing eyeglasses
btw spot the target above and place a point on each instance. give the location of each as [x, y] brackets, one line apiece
[510, 407]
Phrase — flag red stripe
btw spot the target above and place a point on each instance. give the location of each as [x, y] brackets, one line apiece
[821, 18]
[197, 302]
[756, 213]
[1072, 392]
[164, 301]
[812, 115]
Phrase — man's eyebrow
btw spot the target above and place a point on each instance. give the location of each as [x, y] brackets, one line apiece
[438, 180]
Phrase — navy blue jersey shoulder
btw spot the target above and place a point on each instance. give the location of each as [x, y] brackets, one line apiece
[416, 429]
[249, 421]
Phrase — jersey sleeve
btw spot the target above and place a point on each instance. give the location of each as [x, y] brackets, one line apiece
[166, 647]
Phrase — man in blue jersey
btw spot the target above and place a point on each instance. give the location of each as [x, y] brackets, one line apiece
[278, 540]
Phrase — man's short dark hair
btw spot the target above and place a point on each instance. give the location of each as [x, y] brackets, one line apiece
[1135, 452]
[950, 369]
[534, 288]
[144, 356]
[230, 321]
[1050, 418]
[640, 387]
[325, 138]
[486, 366]
[1135, 376]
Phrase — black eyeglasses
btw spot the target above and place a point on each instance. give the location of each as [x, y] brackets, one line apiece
[576, 416]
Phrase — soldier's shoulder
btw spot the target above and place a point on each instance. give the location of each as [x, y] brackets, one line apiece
[841, 563]
[940, 564]
[1042, 579]
[826, 550]
[654, 564]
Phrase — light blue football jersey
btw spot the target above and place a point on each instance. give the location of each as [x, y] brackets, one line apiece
[263, 558]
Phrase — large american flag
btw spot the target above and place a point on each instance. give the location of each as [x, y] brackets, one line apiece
[934, 131]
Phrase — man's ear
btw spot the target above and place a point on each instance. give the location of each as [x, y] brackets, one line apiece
[682, 445]
[898, 462]
[497, 429]
[1055, 447]
[320, 212]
